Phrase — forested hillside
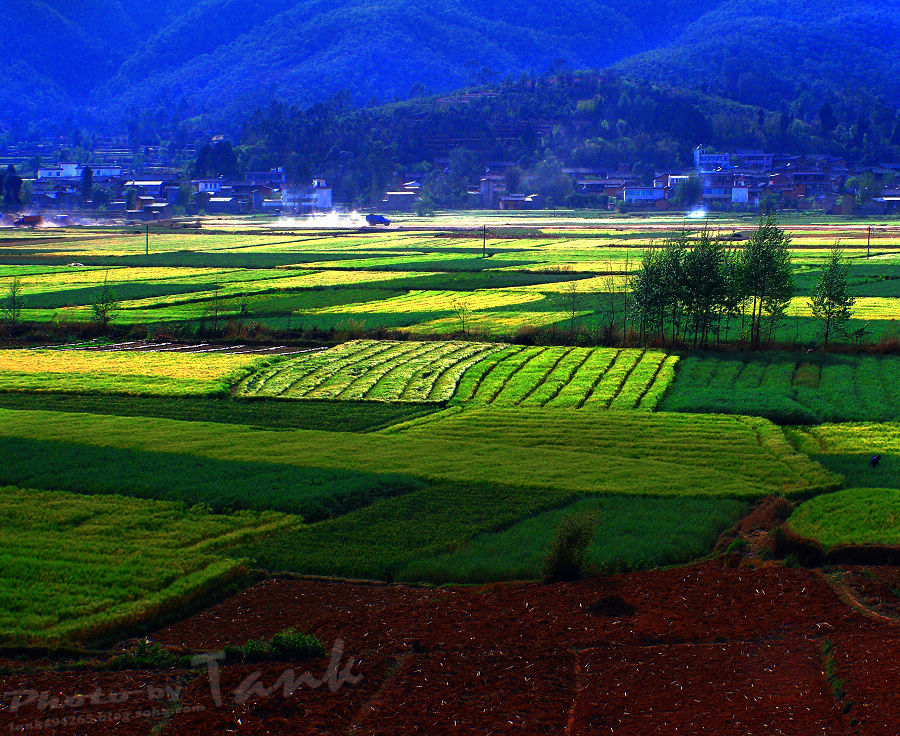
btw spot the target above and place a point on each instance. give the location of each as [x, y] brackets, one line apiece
[109, 62]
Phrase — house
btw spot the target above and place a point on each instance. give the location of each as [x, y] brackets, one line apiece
[210, 186]
[63, 171]
[755, 159]
[148, 188]
[522, 202]
[152, 212]
[274, 178]
[226, 206]
[491, 188]
[646, 196]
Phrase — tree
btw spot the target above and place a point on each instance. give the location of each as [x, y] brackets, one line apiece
[768, 277]
[831, 299]
[827, 119]
[688, 192]
[12, 189]
[13, 302]
[551, 181]
[105, 305]
[463, 313]
[87, 183]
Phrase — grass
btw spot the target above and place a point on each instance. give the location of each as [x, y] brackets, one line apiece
[789, 388]
[592, 452]
[222, 485]
[631, 533]
[125, 372]
[850, 517]
[76, 567]
[331, 416]
[382, 539]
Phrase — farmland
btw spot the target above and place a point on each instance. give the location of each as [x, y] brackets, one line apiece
[788, 388]
[855, 516]
[123, 372]
[479, 374]
[272, 407]
[108, 561]
[640, 453]
[428, 277]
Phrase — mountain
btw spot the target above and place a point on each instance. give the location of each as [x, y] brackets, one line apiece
[110, 60]
[765, 51]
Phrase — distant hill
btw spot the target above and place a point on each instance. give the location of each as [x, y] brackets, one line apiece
[107, 58]
[764, 52]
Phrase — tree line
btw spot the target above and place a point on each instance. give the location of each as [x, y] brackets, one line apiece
[695, 292]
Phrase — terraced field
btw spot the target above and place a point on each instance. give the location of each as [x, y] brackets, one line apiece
[478, 374]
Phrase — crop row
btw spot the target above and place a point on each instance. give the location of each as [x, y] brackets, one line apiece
[479, 374]
[788, 389]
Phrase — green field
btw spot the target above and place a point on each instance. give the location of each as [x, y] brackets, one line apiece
[854, 516]
[429, 279]
[631, 533]
[789, 388]
[634, 453]
[470, 373]
[455, 408]
[76, 567]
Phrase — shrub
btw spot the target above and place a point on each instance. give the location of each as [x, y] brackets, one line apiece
[145, 655]
[566, 559]
[289, 644]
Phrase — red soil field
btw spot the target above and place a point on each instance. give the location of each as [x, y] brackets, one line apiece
[705, 650]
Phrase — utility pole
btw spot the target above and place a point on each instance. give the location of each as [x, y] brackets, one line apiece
[484, 242]
[147, 246]
[869, 242]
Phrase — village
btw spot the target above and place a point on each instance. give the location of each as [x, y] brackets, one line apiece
[152, 185]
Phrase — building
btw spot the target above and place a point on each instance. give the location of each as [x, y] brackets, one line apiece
[208, 185]
[643, 195]
[704, 161]
[314, 198]
[491, 188]
[274, 178]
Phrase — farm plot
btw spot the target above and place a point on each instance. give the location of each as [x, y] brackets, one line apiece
[855, 516]
[631, 532]
[126, 372]
[849, 448]
[75, 567]
[467, 373]
[638, 453]
[788, 388]
[372, 370]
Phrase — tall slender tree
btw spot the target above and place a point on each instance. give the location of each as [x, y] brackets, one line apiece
[831, 299]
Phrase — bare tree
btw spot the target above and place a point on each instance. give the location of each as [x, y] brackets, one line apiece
[463, 314]
[213, 310]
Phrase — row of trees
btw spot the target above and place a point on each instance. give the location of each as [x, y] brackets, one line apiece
[693, 291]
